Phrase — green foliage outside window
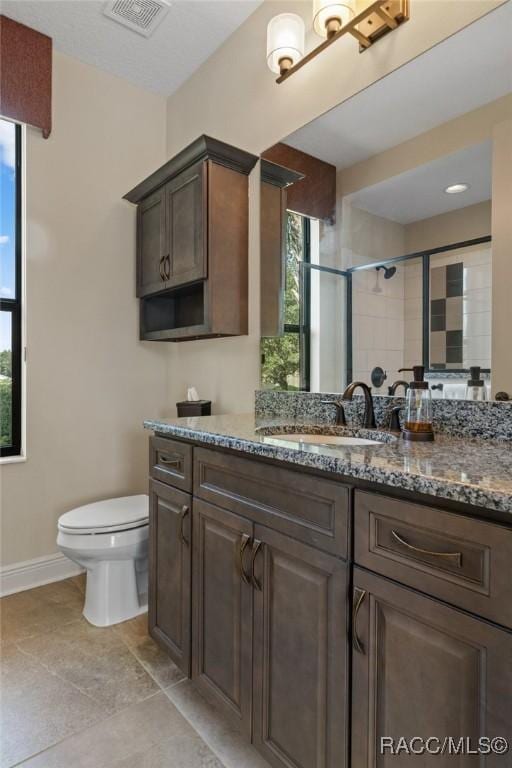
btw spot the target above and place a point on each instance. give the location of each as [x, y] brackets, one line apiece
[281, 354]
[5, 397]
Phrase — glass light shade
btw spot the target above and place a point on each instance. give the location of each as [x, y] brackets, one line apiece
[325, 11]
[285, 40]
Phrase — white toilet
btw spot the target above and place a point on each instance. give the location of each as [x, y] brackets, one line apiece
[110, 540]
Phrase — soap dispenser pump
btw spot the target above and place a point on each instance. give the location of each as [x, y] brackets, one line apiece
[418, 408]
[475, 389]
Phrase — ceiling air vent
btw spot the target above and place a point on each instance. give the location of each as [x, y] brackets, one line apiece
[143, 16]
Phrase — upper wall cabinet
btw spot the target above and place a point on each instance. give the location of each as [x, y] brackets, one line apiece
[192, 244]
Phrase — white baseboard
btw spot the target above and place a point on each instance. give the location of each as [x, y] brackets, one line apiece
[34, 573]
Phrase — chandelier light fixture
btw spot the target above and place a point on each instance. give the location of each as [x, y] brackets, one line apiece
[331, 20]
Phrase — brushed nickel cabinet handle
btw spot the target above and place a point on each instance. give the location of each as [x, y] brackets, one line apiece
[244, 542]
[168, 461]
[359, 595]
[167, 267]
[255, 549]
[184, 512]
[457, 556]
[161, 269]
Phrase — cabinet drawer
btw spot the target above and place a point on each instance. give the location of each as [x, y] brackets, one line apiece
[464, 561]
[307, 508]
[171, 462]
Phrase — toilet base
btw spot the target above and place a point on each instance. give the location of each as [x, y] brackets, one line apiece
[117, 573]
[113, 593]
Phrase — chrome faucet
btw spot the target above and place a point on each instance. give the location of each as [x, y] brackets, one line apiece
[369, 413]
[340, 419]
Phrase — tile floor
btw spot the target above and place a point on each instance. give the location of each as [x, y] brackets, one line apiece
[77, 696]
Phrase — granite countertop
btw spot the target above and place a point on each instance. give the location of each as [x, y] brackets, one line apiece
[470, 471]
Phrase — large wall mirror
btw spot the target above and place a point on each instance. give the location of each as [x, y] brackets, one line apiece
[376, 231]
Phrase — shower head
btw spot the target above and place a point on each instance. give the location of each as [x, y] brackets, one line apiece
[389, 272]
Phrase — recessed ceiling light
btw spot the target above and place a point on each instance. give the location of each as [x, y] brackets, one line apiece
[454, 189]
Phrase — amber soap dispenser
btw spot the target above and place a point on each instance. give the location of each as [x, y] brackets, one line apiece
[418, 408]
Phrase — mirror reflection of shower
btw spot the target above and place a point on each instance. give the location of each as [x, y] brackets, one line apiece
[389, 272]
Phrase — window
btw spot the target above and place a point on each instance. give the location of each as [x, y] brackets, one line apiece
[285, 359]
[10, 289]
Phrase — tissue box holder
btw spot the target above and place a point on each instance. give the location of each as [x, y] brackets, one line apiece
[194, 408]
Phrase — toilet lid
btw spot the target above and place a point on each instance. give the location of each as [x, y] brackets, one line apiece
[107, 516]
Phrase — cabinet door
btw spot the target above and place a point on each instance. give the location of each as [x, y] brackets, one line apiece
[272, 258]
[300, 647]
[424, 669]
[222, 659]
[170, 571]
[186, 226]
[151, 244]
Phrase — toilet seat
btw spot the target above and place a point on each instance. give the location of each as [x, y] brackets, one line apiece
[107, 516]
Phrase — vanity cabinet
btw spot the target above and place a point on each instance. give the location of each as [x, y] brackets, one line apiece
[269, 637]
[223, 610]
[423, 669]
[281, 615]
[169, 603]
[461, 560]
[192, 244]
[300, 653]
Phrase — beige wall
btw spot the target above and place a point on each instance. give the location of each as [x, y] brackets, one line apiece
[90, 381]
[502, 258]
[453, 227]
[233, 97]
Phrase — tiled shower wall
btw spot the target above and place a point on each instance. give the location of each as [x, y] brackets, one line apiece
[377, 304]
[467, 309]
[378, 324]
[476, 306]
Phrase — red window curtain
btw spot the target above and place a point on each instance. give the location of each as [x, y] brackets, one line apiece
[25, 75]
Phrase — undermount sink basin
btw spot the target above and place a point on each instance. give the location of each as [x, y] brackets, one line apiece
[328, 440]
[315, 438]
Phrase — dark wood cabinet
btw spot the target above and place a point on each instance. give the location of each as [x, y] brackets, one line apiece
[272, 632]
[151, 243]
[170, 551]
[301, 660]
[192, 244]
[223, 604]
[460, 560]
[186, 198]
[424, 669]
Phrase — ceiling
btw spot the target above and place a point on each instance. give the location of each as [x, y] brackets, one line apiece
[419, 193]
[469, 69]
[188, 35]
